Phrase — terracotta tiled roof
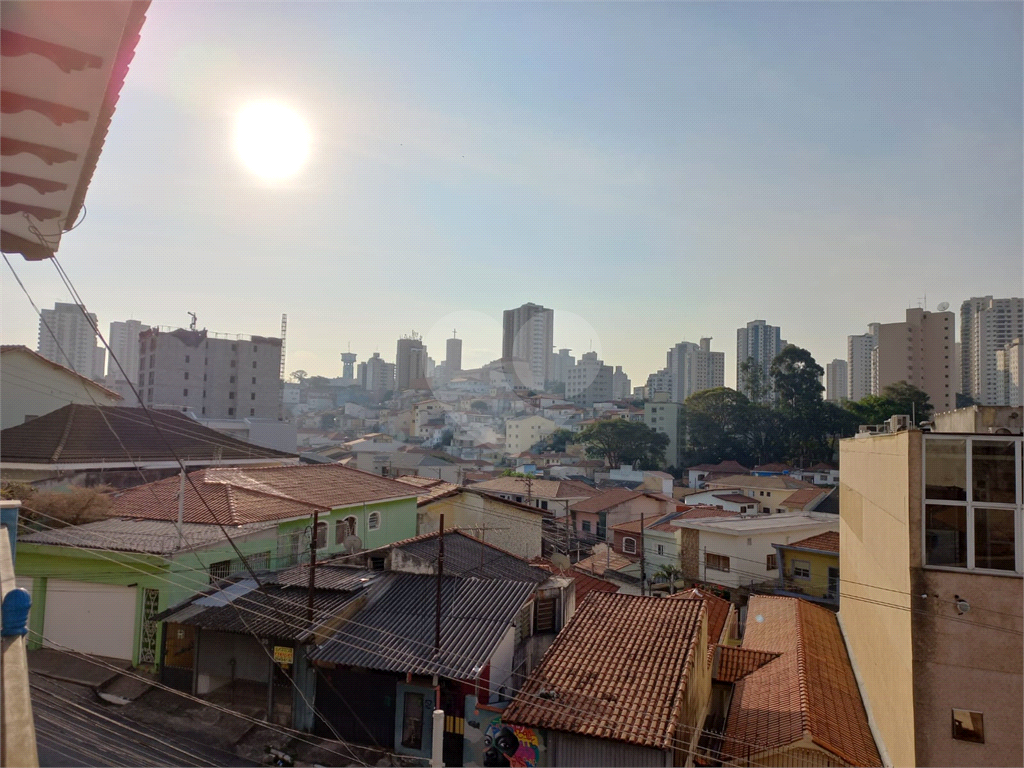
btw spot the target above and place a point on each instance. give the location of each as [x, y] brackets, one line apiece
[430, 488]
[736, 663]
[718, 612]
[606, 500]
[736, 498]
[619, 670]
[810, 688]
[771, 482]
[804, 497]
[823, 542]
[725, 466]
[542, 489]
[598, 564]
[84, 434]
[248, 495]
[702, 511]
[583, 583]
[773, 467]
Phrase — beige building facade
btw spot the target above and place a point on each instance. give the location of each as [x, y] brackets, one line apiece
[920, 351]
[522, 434]
[931, 593]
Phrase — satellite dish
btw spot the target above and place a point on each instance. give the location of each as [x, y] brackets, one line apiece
[943, 306]
[560, 561]
[353, 544]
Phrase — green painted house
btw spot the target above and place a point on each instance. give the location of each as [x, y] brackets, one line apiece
[96, 587]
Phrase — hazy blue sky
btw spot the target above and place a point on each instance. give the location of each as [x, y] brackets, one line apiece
[655, 172]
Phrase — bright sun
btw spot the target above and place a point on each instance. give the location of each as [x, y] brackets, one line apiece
[271, 139]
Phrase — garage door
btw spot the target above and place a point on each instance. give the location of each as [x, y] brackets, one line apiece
[90, 618]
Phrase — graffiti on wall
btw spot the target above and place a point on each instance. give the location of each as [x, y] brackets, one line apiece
[490, 742]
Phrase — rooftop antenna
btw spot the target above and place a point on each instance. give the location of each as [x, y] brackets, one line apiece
[192, 325]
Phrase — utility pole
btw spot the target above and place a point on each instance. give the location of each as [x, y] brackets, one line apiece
[181, 507]
[643, 556]
[440, 574]
[312, 564]
[568, 539]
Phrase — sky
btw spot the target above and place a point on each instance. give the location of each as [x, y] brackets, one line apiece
[654, 172]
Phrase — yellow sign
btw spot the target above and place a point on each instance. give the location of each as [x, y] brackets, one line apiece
[283, 655]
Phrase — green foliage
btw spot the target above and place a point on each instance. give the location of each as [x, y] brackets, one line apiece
[69, 506]
[754, 382]
[318, 381]
[619, 442]
[797, 378]
[513, 473]
[556, 441]
[299, 376]
[714, 422]
[898, 398]
[446, 437]
[479, 406]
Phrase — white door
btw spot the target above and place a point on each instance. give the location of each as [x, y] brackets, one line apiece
[90, 618]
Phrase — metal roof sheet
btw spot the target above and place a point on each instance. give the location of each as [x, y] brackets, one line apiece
[155, 537]
[466, 556]
[395, 631]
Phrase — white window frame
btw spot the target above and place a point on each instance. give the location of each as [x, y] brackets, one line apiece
[632, 543]
[373, 521]
[802, 565]
[970, 504]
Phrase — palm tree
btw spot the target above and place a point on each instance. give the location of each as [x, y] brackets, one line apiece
[669, 573]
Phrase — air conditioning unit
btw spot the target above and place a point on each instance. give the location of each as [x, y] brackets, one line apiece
[898, 423]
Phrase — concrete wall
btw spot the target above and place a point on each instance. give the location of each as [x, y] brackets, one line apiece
[875, 498]
[33, 387]
[749, 561]
[225, 656]
[487, 518]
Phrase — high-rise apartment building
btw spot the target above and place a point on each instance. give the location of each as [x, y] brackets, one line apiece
[836, 380]
[376, 374]
[67, 336]
[621, 385]
[662, 415]
[659, 382]
[453, 356]
[858, 362]
[1009, 367]
[759, 343]
[693, 368]
[986, 326]
[410, 361]
[215, 375]
[918, 351]
[561, 363]
[528, 335]
[124, 345]
[589, 381]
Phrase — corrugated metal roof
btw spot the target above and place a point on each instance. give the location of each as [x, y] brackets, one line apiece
[466, 556]
[155, 537]
[270, 611]
[395, 632]
[338, 578]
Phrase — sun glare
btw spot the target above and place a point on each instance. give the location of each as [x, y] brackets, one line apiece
[271, 139]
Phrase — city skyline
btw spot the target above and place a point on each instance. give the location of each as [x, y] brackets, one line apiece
[820, 166]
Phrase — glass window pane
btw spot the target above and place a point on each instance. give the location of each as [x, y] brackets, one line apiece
[993, 539]
[412, 721]
[945, 470]
[993, 471]
[945, 537]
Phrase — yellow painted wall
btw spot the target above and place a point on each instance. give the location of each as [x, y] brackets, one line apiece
[874, 503]
[817, 585]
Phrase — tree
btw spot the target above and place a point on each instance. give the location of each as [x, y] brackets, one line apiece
[753, 382]
[909, 399]
[446, 437]
[299, 376]
[479, 406]
[670, 574]
[796, 377]
[557, 440]
[714, 425]
[619, 442]
[71, 506]
[318, 381]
